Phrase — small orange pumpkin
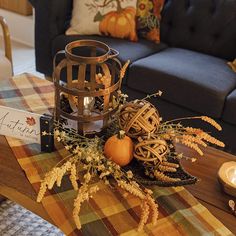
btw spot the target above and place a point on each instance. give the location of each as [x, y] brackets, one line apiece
[119, 148]
[120, 24]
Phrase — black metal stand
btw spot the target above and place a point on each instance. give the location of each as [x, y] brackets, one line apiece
[46, 126]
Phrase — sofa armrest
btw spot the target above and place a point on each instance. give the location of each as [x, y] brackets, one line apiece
[51, 19]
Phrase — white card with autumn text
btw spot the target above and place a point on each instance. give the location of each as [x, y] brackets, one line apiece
[20, 124]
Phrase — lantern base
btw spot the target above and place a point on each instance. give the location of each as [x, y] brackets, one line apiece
[92, 128]
[88, 128]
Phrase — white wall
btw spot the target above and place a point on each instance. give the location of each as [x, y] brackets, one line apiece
[21, 27]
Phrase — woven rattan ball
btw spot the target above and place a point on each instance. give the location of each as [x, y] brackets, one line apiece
[139, 118]
[151, 151]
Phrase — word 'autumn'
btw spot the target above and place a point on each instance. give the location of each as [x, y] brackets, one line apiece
[16, 126]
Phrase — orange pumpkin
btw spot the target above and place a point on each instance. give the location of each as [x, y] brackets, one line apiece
[119, 148]
[120, 24]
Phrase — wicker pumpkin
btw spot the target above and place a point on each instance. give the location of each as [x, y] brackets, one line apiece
[139, 118]
[119, 24]
[151, 150]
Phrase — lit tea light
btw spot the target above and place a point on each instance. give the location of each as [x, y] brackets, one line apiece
[227, 177]
[232, 175]
[88, 104]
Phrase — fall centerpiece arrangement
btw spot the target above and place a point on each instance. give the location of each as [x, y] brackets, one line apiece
[135, 148]
[109, 158]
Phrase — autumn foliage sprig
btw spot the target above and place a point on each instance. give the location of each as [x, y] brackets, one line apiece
[87, 153]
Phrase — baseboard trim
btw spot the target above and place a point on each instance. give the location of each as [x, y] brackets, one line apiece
[29, 44]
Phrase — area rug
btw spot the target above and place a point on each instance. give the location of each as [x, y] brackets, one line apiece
[16, 220]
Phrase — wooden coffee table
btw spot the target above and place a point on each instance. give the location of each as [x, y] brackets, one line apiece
[208, 190]
[15, 186]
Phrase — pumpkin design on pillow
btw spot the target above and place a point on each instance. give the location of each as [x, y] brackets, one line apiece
[120, 22]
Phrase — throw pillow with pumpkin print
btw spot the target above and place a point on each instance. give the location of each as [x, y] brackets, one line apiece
[148, 19]
[115, 18]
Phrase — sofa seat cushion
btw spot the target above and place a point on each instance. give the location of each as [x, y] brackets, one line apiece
[193, 80]
[229, 113]
[127, 50]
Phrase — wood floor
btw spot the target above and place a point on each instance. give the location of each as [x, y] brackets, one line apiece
[23, 58]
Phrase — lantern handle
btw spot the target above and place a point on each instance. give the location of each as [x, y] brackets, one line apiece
[113, 53]
[54, 61]
[55, 57]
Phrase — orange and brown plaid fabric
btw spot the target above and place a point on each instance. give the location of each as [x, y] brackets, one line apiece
[109, 212]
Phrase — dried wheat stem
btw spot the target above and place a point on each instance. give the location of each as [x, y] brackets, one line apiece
[163, 168]
[169, 164]
[73, 177]
[211, 139]
[162, 177]
[84, 194]
[123, 70]
[204, 118]
[193, 130]
[154, 208]
[211, 122]
[193, 146]
[144, 215]
[42, 191]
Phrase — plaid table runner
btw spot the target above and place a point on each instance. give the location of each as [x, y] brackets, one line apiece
[109, 212]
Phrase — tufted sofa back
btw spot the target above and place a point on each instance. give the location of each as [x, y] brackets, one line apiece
[207, 26]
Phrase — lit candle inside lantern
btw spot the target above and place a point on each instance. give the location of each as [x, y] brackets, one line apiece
[88, 105]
